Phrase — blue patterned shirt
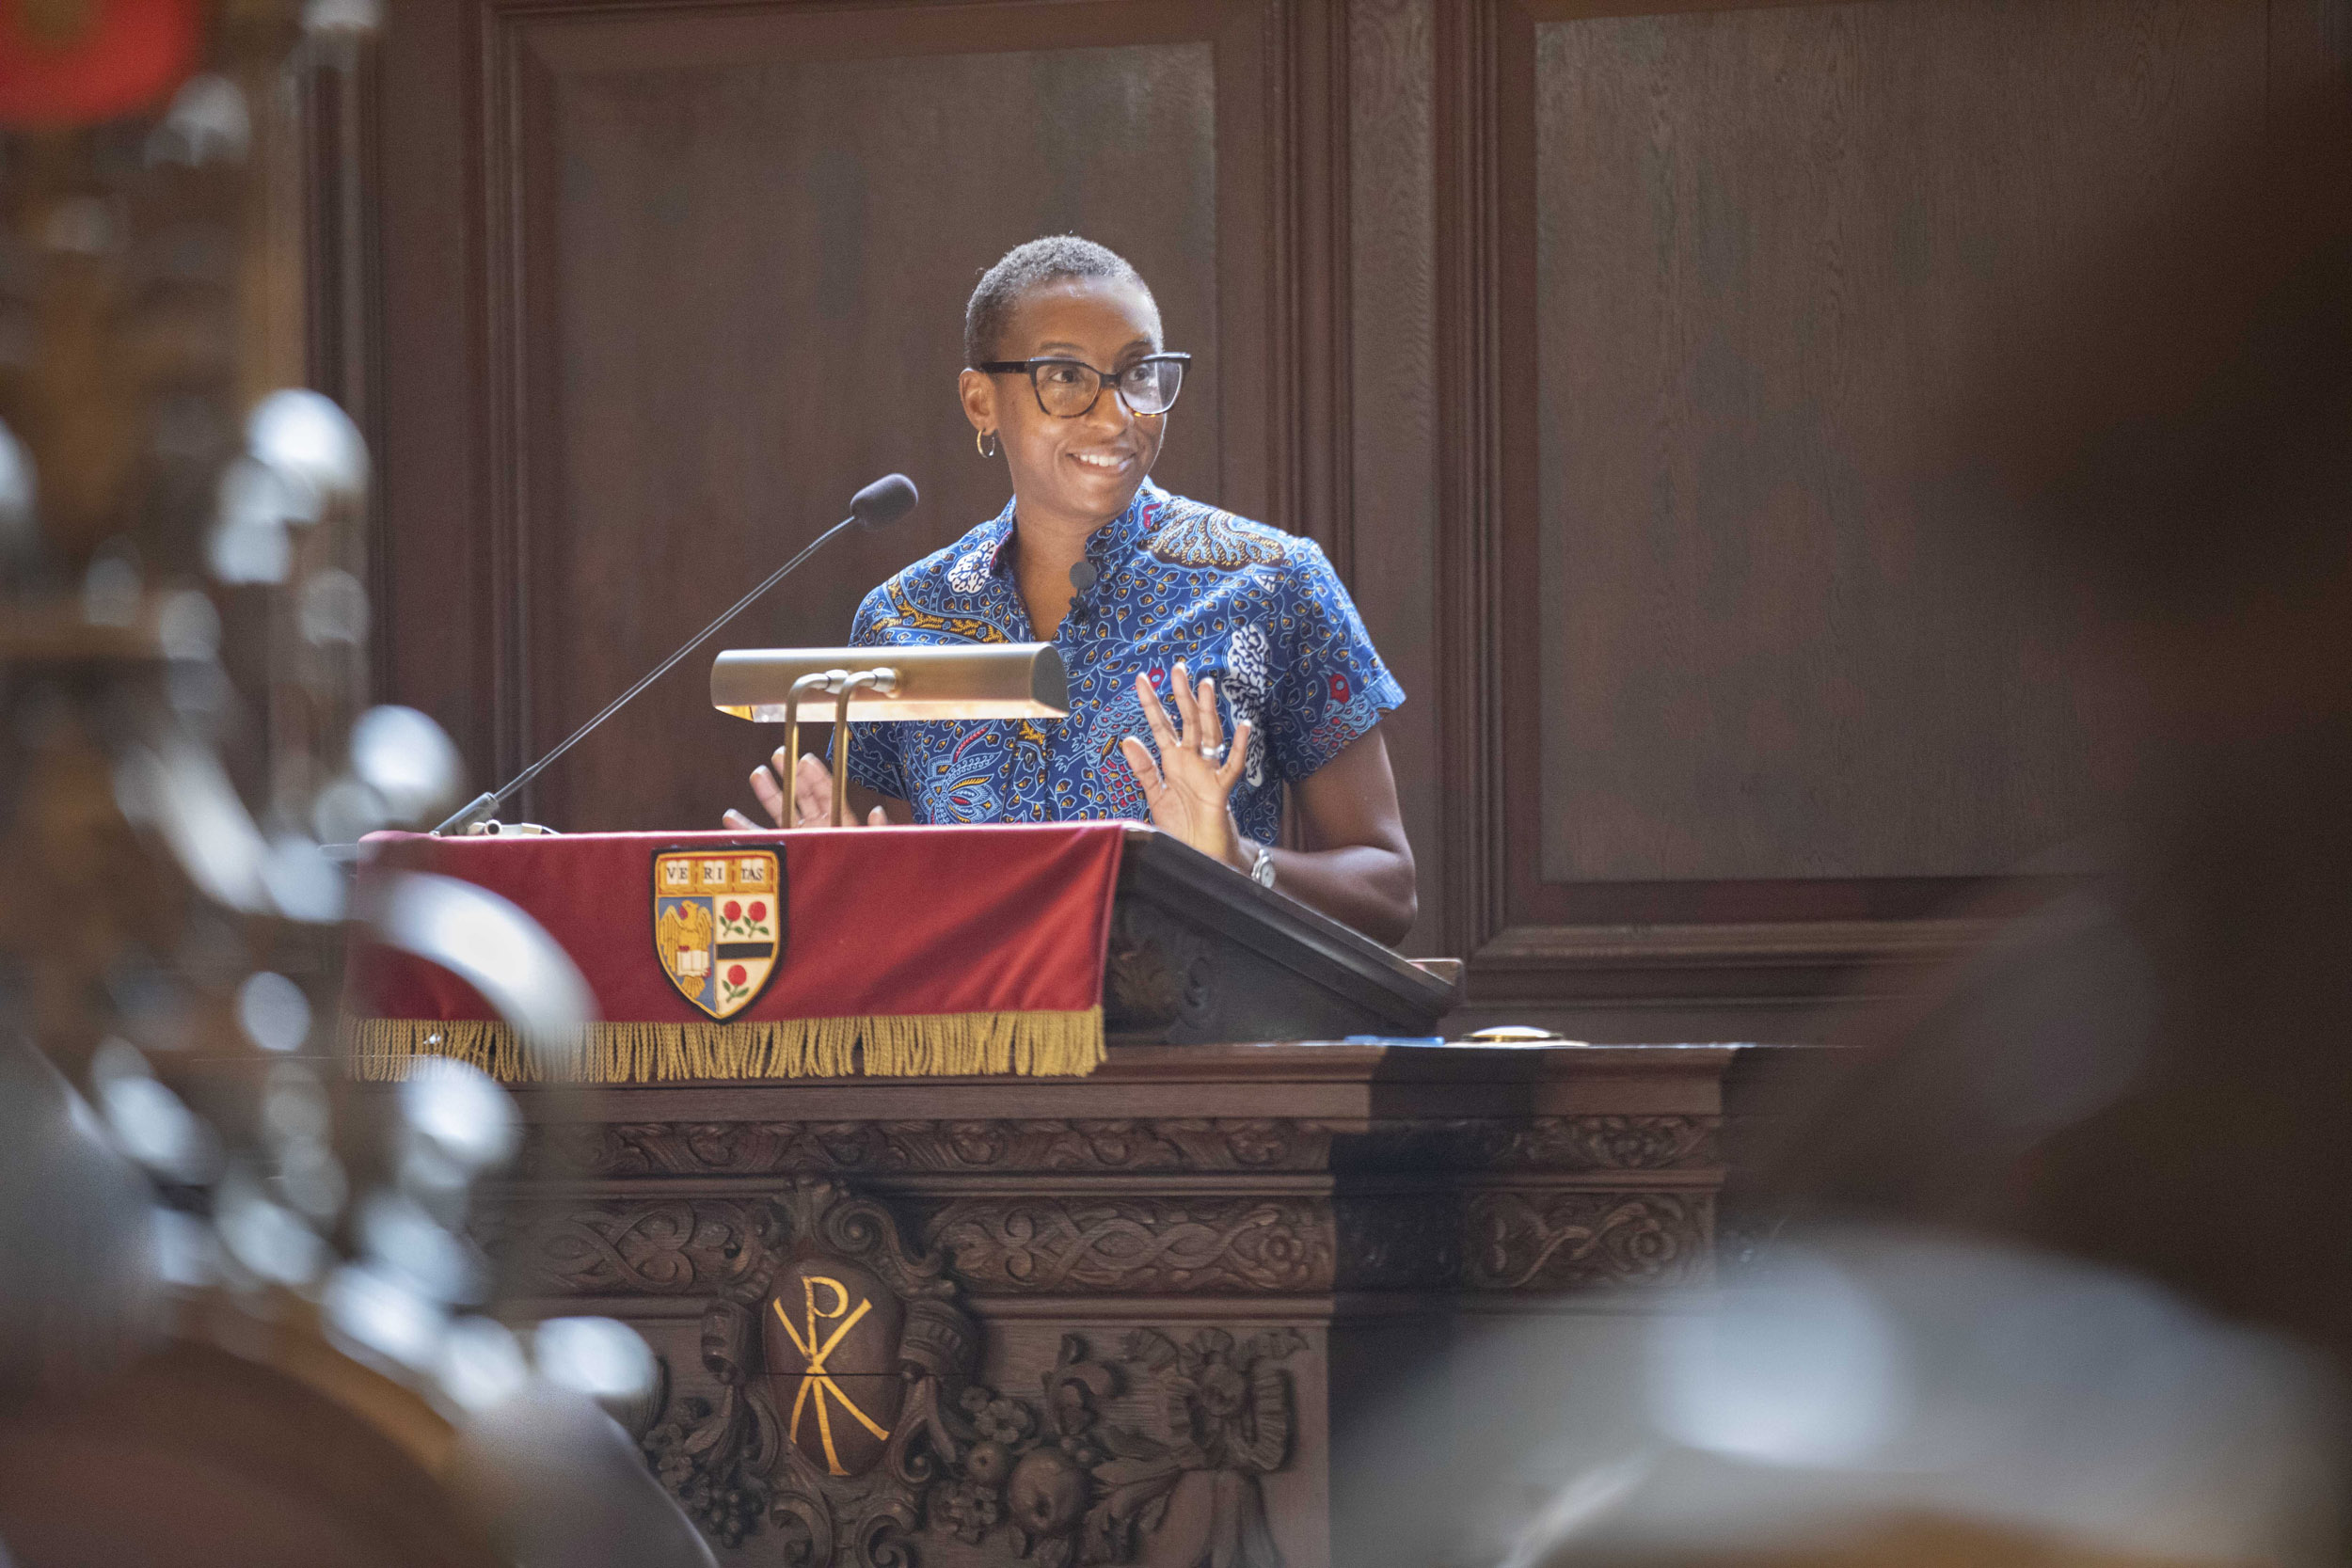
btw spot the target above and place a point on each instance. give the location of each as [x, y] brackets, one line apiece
[1257, 609]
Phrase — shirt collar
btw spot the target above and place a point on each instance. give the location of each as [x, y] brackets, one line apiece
[998, 533]
[1106, 546]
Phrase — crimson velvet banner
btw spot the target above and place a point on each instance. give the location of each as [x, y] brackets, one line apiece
[895, 951]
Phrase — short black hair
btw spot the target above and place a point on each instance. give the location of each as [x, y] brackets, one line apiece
[1044, 259]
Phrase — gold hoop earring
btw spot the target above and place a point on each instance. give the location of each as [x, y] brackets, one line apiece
[986, 441]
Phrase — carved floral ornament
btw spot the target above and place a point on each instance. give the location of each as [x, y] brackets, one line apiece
[849, 1421]
[1166, 1144]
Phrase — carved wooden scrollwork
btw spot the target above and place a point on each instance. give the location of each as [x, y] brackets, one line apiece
[766, 1147]
[1506, 1239]
[1539, 1143]
[674, 1248]
[737, 1462]
[1166, 1439]
[1551, 1240]
[1143, 1245]
[1582, 1142]
[1159, 971]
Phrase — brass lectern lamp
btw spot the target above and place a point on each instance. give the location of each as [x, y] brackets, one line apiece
[982, 680]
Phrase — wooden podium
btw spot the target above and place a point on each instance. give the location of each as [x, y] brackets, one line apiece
[1147, 1316]
[1199, 953]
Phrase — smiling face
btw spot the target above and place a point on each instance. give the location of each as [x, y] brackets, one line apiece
[1079, 472]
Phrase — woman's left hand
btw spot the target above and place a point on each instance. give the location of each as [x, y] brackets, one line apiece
[1187, 789]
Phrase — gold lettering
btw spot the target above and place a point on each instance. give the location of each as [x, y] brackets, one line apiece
[817, 1384]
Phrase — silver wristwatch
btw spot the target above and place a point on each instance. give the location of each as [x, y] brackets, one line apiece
[1261, 869]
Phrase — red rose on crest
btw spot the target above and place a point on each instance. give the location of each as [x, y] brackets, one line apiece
[734, 912]
[734, 974]
[759, 913]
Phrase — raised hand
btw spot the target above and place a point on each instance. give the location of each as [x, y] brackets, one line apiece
[811, 797]
[1188, 788]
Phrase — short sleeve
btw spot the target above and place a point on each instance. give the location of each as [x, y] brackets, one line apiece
[1331, 686]
[874, 760]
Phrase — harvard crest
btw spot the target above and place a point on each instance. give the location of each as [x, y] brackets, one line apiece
[718, 924]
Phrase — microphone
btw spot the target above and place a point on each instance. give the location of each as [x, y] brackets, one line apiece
[880, 504]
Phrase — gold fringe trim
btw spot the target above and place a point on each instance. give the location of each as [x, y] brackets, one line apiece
[919, 1045]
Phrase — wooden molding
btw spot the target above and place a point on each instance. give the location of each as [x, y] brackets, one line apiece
[1756, 945]
[344, 305]
[1730, 970]
[1468, 522]
[1312, 293]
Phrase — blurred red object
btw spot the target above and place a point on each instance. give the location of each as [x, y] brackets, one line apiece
[74, 62]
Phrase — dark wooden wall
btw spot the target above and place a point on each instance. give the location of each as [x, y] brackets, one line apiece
[1604, 344]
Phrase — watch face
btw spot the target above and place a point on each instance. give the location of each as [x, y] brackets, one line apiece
[1264, 871]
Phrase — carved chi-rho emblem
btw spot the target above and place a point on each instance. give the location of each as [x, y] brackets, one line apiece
[718, 925]
[831, 1334]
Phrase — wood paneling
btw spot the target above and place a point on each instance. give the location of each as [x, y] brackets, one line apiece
[716, 266]
[1750, 692]
[759, 306]
[1766, 241]
[1603, 345]
[1393, 394]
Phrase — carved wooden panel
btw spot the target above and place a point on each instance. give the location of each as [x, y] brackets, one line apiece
[1529, 1236]
[1524, 1241]
[1142, 1244]
[990, 1145]
[1136, 1315]
[1127, 1144]
[1087, 1459]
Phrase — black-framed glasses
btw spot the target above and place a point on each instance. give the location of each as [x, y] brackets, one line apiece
[1067, 388]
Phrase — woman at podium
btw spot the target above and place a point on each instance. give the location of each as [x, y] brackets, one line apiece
[1211, 660]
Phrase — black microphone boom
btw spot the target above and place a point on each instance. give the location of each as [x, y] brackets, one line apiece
[880, 504]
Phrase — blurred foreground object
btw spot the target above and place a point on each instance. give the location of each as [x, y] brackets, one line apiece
[89, 60]
[2153, 1074]
[242, 1320]
[1889, 1397]
[78, 1291]
[2156, 1072]
[571, 1487]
